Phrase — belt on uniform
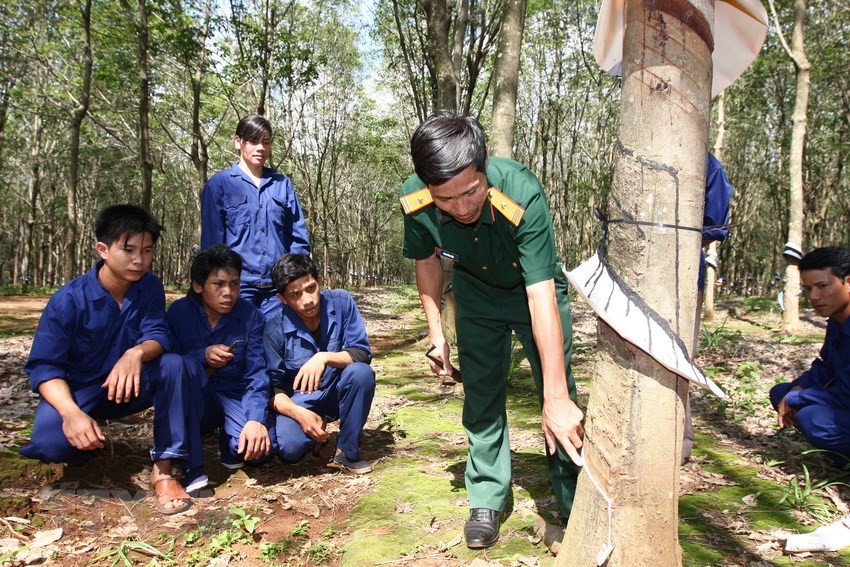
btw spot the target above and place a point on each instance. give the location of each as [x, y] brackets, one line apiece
[259, 285]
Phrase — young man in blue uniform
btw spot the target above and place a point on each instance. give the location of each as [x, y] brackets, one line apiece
[98, 354]
[492, 219]
[818, 401]
[318, 357]
[254, 210]
[220, 335]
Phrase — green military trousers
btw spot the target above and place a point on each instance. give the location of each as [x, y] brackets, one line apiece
[485, 317]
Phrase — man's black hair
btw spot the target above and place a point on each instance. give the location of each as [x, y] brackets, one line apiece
[124, 221]
[446, 144]
[251, 128]
[291, 267]
[214, 258]
[836, 258]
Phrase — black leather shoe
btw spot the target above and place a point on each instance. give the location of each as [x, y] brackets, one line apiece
[482, 528]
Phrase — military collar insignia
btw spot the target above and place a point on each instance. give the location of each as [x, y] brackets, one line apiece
[506, 206]
[412, 202]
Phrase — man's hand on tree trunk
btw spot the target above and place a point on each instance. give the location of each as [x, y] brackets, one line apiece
[562, 425]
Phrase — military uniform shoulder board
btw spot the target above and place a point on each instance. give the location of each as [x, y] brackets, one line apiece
[507, 206]
[412, 202]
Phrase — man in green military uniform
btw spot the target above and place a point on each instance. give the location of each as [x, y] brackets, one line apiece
[492, 219]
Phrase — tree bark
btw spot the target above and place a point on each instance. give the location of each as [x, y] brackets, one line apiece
[33, 191]
[797, 52]
[140, 21]
[439, 21]
[634, 421]
[199, 154]
[78, 115]
[506, 73]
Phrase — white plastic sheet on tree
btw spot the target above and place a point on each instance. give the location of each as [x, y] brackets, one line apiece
[625, 312]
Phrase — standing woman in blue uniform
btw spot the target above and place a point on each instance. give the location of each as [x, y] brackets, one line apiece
[254, 210]
[220, 335]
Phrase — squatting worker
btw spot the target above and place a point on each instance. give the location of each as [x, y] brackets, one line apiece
[492, 219]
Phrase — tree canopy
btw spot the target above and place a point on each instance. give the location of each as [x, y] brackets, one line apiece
[344, 85]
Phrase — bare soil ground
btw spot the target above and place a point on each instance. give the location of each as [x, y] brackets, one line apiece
[101, 507]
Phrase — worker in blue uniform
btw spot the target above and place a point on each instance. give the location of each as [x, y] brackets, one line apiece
[817, 403]
[318, 356]
[220, 336]
[99, 352]
[254, 210]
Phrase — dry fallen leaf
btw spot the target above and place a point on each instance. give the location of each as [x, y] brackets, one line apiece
[42, 539]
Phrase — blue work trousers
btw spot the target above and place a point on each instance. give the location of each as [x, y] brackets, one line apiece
[347, 397]
[264, 299]
[825, 427]
[223, 411]
[165, 385]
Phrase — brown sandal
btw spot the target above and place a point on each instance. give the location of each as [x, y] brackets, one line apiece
[167, 490]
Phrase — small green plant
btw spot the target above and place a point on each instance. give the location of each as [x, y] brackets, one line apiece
[746, 395]
[804, 496]
[193, 536]
[223, 542]
[270, 551]
[244, 521]
[319, 552]
[122, 552]
[329, 531]
[10, 555]
[197, 556]
[720, 340]
[301, 530]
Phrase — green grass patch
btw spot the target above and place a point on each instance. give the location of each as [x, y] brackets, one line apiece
[404, 298]
[704, 537]
[419, 508]
[18, 289]
[760, 303]
[17, 326]
[18, 471]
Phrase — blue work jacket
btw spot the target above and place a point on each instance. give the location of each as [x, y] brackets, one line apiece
[827, 382]
[246, 375]
[718, 195]
[261, 224]
[82, 332]
[289, 344]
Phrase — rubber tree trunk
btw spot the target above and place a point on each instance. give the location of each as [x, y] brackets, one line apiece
[634, 417]
[506, 75]
[69, 265]
[791, 314]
